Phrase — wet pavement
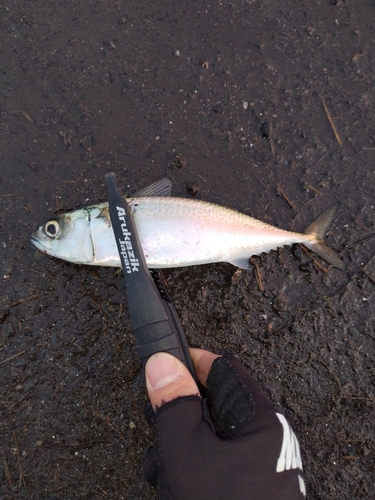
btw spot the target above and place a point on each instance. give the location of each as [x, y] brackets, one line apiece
[263, 106]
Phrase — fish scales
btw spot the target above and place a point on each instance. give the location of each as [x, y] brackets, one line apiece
[177, 231]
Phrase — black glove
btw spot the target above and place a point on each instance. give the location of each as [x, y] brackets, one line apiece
[230, 444]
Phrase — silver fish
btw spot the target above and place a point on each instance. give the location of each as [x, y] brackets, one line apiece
[175, 232]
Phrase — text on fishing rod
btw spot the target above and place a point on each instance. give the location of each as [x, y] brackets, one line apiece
[127, 252]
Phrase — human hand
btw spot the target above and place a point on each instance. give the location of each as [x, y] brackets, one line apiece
[167, 378]
[230, 444]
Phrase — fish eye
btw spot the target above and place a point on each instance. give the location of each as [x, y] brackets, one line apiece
[52, 228]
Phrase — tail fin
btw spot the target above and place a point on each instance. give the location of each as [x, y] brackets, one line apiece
[318, 229]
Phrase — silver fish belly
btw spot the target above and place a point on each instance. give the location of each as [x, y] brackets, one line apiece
[175, 232]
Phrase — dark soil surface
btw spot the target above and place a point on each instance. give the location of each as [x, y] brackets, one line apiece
[234, 93]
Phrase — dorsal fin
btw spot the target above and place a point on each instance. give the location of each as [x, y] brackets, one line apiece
[163, 187]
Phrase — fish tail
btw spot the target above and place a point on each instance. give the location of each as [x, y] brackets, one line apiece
[317, 229]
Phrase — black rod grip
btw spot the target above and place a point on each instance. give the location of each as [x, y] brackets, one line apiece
[152, 318]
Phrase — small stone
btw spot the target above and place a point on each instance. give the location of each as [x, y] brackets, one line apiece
[192, 189]
[176, 163]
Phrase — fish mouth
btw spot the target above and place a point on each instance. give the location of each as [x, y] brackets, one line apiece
[39, 245]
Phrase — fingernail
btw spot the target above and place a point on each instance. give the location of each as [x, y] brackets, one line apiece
[162, 369]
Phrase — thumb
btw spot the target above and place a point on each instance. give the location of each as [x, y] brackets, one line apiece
[167, 378]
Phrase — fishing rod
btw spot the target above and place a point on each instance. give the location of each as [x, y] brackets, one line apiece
[153, 317]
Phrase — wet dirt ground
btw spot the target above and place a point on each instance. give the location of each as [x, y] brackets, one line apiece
[267, 106]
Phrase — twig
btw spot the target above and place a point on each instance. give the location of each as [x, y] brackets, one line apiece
[3, 129]
[314, 259]
[27, 395]
[28, 117]
[201, 178]
[7, 473]
[364, 486]
[357, 398]
[363, 240]
[35, 271]
[272, 148]
[12, 357]
[343, 287]
[363, 268]
[23, 113]
[35, 296]
[312, 188]
[326, 301]
[330, 120]
[281, 328]
[106, 421]
[271, 142]
[286, 198]
[22, 477]
[368, 262]
[258, 276]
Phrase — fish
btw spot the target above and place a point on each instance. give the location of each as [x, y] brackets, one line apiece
[176, 232]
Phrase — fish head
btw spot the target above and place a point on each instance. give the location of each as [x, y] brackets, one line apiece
[66, 237]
